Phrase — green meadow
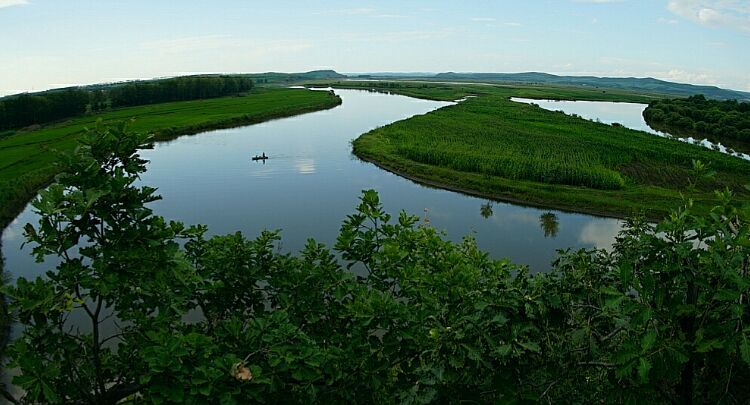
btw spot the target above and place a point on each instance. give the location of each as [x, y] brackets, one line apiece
[493, 147]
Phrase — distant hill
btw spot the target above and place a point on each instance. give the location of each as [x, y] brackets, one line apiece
[625, 83]
[323, 74]
[288, 78]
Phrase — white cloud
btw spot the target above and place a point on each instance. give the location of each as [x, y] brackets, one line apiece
[223, 43]
[9, 3]
[13, 232]
[667, 21]
[598, 1]
[513, 24]
[388, 16]
[600, 233]
[360, 11]
[682, 76]
[348, 11]
[190, 44]
[733, 14]
[397, 36]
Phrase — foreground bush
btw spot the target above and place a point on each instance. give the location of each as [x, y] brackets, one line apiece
[394, 314]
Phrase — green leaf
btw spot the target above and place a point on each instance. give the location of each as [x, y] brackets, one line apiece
[500, 319]
[530, 346]
[626, 272]
[648, 340]
[644, 367]
[745, 350]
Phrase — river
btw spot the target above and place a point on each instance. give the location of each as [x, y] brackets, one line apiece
[312, 181]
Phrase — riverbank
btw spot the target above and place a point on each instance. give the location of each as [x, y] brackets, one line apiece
[492, 147]
[445, 91]
[27, 158]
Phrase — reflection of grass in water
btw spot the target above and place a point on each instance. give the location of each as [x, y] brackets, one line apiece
[486, 210]
[5, 319]
[550, 224]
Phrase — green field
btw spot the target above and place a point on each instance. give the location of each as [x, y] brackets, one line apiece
[27, 158]
[496, 148]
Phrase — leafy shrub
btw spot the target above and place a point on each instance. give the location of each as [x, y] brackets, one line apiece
[174, 317]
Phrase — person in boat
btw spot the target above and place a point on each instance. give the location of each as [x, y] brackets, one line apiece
[263, 156]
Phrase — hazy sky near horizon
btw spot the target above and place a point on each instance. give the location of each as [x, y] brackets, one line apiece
[54, 43]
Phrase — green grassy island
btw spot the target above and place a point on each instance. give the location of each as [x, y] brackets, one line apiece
[492, 147]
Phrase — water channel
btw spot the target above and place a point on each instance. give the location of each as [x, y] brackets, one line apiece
[312, 181]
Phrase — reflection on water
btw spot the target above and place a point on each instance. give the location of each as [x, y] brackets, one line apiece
[600, 233]
[13, 233]
[312, 182]
[486, 209]
[550, 224]
[305, 166]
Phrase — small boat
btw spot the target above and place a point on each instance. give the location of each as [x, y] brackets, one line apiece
[260, 157]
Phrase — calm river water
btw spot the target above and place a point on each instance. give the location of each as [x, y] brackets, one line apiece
[312, 181]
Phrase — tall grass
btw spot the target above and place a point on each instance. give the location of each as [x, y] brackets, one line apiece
[549, 170]
[515, 146]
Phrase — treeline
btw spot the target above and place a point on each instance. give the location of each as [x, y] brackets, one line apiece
[33, 109]
[177, 89]
[29, 109]
[697, 116]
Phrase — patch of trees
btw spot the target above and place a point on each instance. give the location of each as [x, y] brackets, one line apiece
[29, 109]
[698, 116]
[35, 109]
[178, 89]
[663, 317]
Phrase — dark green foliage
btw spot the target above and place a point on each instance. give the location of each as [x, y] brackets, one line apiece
[662, 318]
[719, 121]
[28, 109]
[95, 203]
[665, 315]
[178, 89]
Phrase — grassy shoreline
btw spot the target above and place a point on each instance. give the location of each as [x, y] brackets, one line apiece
[27, 160]
[441, 91]
[493, 148]
[444, 185]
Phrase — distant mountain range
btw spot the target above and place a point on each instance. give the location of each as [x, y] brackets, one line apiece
[648, 84]
[625, 83]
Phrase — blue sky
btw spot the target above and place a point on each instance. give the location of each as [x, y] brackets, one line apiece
[54, 43]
